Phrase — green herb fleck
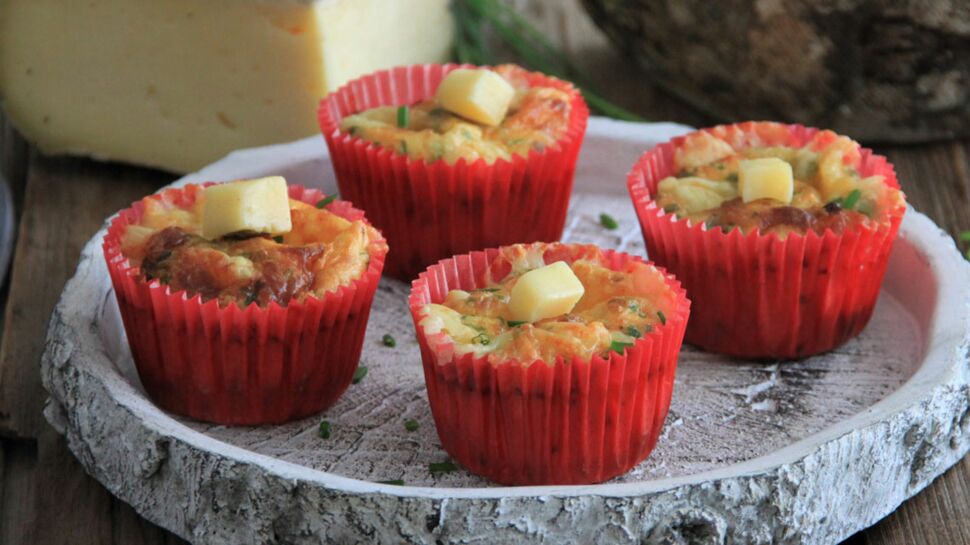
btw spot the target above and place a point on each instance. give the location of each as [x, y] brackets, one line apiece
[851, 199]
[325, 201]
[515, 323]
[488, 290]
[608, 221]
[619, 346]
[732, 177]
[278, 239]
[441, 467]
[403, 114]
[352, 131]
[663, 319]
[965, 237]
[324, 431]
[482, 339]
[411, 425]
[671, 208]
[360, 373]
[388, 340]
[633, 332]
[395, 482]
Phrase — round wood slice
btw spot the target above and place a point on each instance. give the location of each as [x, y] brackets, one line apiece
[806, 451]
[877, 71]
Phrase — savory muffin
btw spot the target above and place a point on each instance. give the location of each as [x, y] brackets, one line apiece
[247, 302]
[533, 353]
[776, 189]
[321, 252]
[780, 233]
[614, 309]
[536, 118]
[447, 159]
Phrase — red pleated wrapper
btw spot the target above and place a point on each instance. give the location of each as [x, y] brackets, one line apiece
[561, 422]
[760, 296]
[431, 211]
[241, 366]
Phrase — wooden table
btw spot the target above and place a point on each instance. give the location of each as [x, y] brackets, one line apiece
[45, 496]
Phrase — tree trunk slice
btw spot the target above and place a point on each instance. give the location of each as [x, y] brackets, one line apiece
[872, 69]
[788, 452]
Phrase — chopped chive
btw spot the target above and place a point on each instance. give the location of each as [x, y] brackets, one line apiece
[852, 199]
[360, 373]
[608, 221]
[441, 467]
[388, 340]
[619, 346]
[411, 425]
[278, 239]
[325, 201]
[515, 323]
[663, 319]
[488, 290]
[395, 482]
[633, 332]
[482, 339]
[965, 236]
[403, 113]
[324, 431]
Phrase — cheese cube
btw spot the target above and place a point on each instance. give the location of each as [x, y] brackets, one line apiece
[545, 292]
[476, 94]
[177, 84]
[251, 206]
[768, 178]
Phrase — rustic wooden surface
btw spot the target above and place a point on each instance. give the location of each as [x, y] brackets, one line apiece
[45, 497]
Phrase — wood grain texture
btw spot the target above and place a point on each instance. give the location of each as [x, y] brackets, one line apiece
[935, 176]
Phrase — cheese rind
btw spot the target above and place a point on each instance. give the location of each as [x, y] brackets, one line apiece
[545, 292]
[254, 206]
[177, 84]
[767, 178]
[476, 94]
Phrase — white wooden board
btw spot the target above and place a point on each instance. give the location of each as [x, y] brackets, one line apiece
[780, 452]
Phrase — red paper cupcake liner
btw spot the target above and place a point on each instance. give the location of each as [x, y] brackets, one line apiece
[241, 366]
[431, 211]
[760, 296]
[562, 422]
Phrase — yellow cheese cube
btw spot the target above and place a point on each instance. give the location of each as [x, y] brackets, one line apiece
[768, 178]
[545, 292]
[480, 95]
[256, 206]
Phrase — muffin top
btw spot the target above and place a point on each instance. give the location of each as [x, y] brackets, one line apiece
[319, 252]
[473, 116]
[530, 311]
[762, 181]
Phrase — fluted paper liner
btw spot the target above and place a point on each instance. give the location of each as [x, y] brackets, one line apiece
[431, 211]
[562, 422]
[241, 366]
[762, 296]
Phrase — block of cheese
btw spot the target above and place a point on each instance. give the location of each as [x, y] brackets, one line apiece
[476, 94]
[177, 84]
[767, 178]
[545, 292]
[250, 206]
